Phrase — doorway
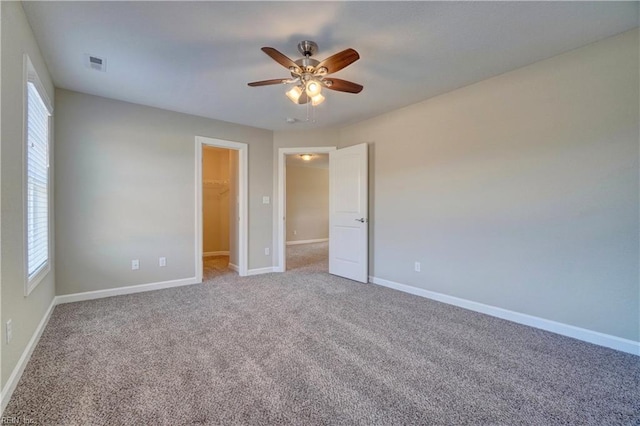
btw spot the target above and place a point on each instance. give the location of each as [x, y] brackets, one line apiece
[221, 206]
[348, 210]
[218, 188]
[303, 199]
[307, 212]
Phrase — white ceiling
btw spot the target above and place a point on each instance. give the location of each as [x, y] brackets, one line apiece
[197, 57]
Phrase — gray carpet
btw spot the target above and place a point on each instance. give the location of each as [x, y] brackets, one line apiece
[308, 257]
[306, 348]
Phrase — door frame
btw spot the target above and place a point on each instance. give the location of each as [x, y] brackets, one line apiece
[243, 182]
[282, 195]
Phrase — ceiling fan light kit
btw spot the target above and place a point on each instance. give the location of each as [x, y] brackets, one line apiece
[294, 94]
[313, 88]
[317, 99]
[309, 75]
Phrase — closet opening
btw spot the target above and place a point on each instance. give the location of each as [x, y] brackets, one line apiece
[221, 208]
[219, 230]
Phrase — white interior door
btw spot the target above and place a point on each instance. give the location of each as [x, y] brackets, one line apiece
[348, 213]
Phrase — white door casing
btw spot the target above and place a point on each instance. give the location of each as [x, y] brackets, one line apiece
[348, 213]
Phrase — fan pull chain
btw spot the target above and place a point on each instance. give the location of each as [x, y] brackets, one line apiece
[311, 115]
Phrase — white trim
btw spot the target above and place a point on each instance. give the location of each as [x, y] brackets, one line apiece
[119, 291]
[31, 75]
[243, 190]
[295, 243]
[13, 380]
[215, 253]
[590, 336]
[280, 218]
[233, 266]
[259, 271]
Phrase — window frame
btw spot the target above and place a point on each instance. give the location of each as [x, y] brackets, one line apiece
[31, 76]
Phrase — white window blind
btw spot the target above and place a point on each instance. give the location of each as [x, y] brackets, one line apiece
[37, 182]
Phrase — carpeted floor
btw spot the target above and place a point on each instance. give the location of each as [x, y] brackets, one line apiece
[308, 257]
[215, 266]
[307, 348]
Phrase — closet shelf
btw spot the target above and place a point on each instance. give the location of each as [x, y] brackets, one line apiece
[215, 182]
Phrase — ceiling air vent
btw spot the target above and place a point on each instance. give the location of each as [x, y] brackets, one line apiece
[95, 62]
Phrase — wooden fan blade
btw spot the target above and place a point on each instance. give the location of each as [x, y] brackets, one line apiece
[342, 85]
[268, 82]
[339, 60]
[280, 58]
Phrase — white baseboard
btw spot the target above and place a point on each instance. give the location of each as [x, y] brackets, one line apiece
[11, 384]
[293, 243]
[259, 271]
[118, 291]
[595, 337]
[233, 267]
[215, 253]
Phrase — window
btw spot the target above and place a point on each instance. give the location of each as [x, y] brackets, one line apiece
[37, 134]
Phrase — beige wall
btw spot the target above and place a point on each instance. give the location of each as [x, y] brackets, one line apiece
[307, 203]
[126, 190]
[25, 312]
[215, 199]
[520, 191]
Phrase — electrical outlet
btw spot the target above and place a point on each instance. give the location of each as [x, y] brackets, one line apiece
[265, 200]
[295, 232]
[162, 261]
[9, 331]
[135, 265]
[266, 251]
[417, 267]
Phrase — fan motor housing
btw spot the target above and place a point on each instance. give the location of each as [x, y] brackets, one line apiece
[307, 63]
[307, 48]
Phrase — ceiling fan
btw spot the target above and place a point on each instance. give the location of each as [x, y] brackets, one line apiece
[310, 75]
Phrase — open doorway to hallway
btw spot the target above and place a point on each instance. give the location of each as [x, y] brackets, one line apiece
[307, 211]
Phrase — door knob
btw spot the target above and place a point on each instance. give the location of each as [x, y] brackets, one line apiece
[362, 220]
